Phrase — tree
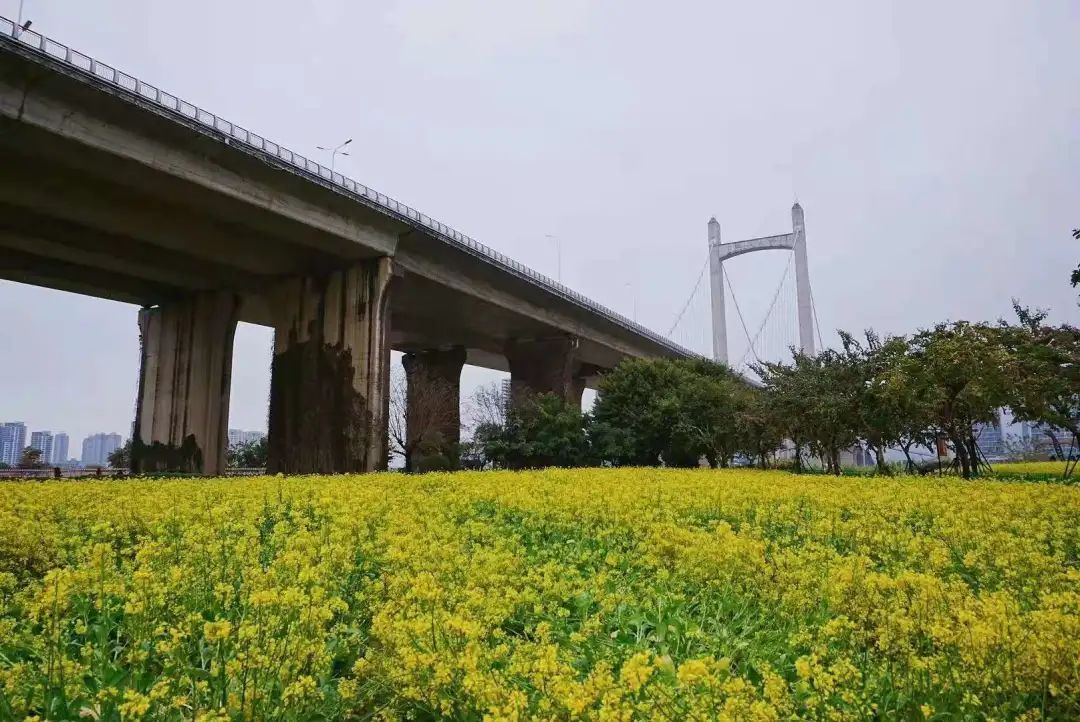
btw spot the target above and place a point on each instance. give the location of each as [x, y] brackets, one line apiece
[760, 431]
[540, 431]
[964, 372]
[1046, 383]
[674, 411]
[248, 454]
[420, 419]
[30, 458]
[888, 412]
[488, 406]
[817, 399]
[636, 411]
[710, 399]
[120, 457]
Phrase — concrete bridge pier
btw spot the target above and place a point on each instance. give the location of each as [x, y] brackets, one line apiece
[182, 406]
[546, 365]
[433, 379]
[330, 376]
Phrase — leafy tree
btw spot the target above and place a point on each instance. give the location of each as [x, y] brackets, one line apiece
[30, 458]
[540, 431]
[248, 455]
[1046, 383]
[674, 411]
[636, 412]
[888, 411]
[760, 430]
[120, 457]
[964, 371]
[711, 399]
[816, 397]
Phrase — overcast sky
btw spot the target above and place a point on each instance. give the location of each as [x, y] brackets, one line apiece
[934, 146]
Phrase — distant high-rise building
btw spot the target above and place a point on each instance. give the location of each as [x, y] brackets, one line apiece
[238, 437]
[506, 390]
[97, 447]
[43, 442]
[12, 441]
[60, 448]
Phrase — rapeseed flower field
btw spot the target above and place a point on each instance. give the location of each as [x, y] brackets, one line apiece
[617, 594]
[1031, 467]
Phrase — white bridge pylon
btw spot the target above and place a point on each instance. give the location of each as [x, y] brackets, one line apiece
[720, 252]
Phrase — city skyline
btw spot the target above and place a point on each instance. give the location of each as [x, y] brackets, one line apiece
[54, 446]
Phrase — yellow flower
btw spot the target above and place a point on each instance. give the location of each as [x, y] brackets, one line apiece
[216, 631]
[135, 705]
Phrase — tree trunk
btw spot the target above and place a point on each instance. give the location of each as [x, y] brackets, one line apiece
[973, 454]
[960, 447]
[879, 454]
[907, 455]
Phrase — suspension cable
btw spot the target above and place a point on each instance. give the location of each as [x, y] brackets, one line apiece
[813, 307]
[693, 293]
[739, 312]
[768, 313]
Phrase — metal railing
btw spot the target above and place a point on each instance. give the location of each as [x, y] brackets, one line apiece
[89, 69]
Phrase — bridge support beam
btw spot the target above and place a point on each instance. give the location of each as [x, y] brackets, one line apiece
[330, 376]
[545, 365]
[182, 407]
[433, 400]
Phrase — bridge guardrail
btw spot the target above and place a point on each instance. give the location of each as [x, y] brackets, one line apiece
[89, 68]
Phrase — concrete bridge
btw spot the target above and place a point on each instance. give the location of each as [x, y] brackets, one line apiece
[115, 188]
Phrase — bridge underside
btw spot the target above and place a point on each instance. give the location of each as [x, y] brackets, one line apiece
[118, 230]
[100, 195]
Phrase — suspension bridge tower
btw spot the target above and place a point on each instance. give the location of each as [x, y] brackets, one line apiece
[720, 252]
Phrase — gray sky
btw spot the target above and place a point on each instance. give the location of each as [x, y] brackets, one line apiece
[935, 147]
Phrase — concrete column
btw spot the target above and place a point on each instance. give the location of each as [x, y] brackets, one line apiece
[716, 287]
[330, 377]
[545, 365]
[433, 402]
[802, 283]
[182, 407]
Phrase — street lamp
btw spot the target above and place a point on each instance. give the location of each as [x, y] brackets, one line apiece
[335, 152]
[19, 24]
[558, 253]
[633, 288]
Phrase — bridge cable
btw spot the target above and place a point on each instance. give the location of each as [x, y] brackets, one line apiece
[813, 307]
[768, 313]
[739, 312]
[693, 293]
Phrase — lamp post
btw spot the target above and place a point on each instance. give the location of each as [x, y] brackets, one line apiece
[335, 152]
[19, 27]
[558, 253]
[633, 289]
